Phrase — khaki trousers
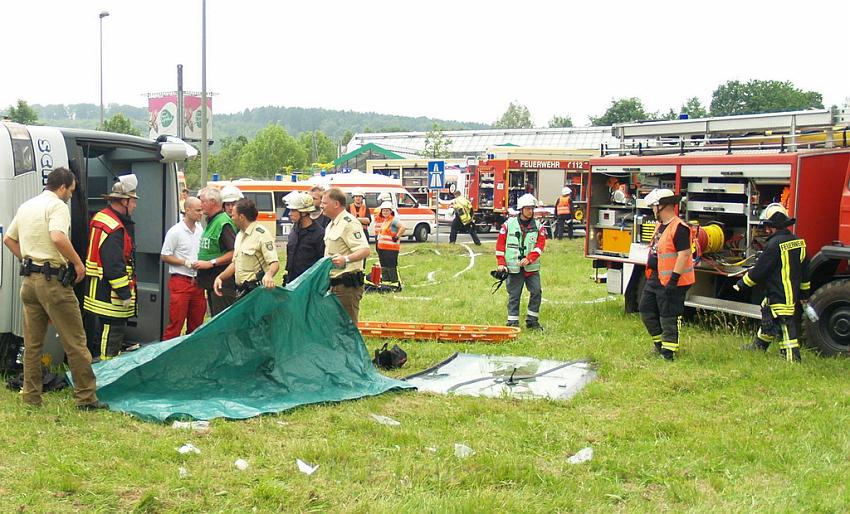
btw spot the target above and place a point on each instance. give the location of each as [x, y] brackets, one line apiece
[48, 301]
[349, 297]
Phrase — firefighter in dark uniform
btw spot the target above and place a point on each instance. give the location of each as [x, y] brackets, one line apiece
[783, 269]
[110, 293]
[669, 273]
[564, 214]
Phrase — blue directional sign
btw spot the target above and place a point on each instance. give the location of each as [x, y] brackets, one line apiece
[436, 174]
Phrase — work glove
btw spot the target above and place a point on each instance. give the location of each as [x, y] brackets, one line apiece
[739, 285]
[673, 285]
[127, 303]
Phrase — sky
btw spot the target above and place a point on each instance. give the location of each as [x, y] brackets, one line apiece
[459, 60]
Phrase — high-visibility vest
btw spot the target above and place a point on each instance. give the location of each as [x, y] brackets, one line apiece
[667, 255]
[565, 205]
[210, 243]
[362, 212]
[387, 235]
[100, 297]
[464, 208]
[519, 244]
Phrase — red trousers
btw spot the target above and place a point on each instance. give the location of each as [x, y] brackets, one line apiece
[188, 304]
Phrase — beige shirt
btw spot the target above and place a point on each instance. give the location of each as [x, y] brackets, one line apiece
[344, 236]
[32, 225]
[253, 251]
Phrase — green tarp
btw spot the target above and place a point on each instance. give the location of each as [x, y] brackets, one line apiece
[273, 350]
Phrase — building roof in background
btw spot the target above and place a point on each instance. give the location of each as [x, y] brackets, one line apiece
[476, 142]
[367, 148]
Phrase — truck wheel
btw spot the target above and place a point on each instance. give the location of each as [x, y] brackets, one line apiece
[830, 335]
[421, 233]
[483, 228]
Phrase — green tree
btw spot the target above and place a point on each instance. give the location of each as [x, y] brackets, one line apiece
[120, 124]
[272, 151]
[22, 113]
[624, 110]
[437, 145]
[318, 146]
[560, 121]
[515, 117]
[759, 96]
[346, 136]
[226, 161]
[694, 108]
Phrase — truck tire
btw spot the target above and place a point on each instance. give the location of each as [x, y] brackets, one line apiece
[483, 228]
[420, 233]
[830, 335]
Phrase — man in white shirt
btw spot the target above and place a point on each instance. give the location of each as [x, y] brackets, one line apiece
[180, 250]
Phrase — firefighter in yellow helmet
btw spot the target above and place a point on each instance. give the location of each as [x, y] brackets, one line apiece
[783, 270]
[110, 292]
[669, 273]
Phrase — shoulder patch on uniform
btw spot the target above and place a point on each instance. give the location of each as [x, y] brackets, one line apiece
[348, 219]
[357, 235]
[269, 246]
[261, 230]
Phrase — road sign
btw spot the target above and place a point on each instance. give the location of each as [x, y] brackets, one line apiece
[436, 174]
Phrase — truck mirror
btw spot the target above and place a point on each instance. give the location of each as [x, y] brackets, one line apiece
[176, 150]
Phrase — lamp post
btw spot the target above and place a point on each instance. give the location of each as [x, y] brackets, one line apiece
[204, 146]
[102, 15]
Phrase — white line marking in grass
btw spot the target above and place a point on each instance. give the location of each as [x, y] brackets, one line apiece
[584, 302]
[407, 253]
[424, 298]
[437, 251]
[471, 261]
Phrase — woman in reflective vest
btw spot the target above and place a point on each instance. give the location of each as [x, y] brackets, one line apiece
[389, 235]
[110, 293]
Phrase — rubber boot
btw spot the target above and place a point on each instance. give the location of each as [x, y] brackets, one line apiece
[512, 323]
[669, 355]
[533, 324]
[756, 345]
[795, 354]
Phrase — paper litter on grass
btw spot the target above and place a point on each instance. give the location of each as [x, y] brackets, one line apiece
[463, 451]
[188, 448]
[385, 420]
[583, 455]
[306, 468]
[241, 464]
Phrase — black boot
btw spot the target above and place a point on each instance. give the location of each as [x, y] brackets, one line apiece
[512, 323]
[795, 354]
[668, 355]
[756, 345]
[533, 324]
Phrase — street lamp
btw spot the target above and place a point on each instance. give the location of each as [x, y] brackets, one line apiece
[102, 15]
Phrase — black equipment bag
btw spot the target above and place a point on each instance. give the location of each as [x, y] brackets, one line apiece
[390, 359]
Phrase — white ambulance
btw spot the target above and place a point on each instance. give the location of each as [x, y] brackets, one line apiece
[419, 220]
[29, 153]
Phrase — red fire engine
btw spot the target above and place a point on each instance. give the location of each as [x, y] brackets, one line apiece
[724, 193]
[495, 185]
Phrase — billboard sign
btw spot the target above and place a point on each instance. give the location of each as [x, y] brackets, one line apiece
[163, 117]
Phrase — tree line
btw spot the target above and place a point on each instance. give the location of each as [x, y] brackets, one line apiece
[730, 98]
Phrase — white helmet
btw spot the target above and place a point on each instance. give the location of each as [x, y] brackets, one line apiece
[385, 197]
[124, 187]
[661, 197]
[526, 200]
[386, 205]
[566, 191]
[300, 201]
[776, 215]
[357, 192]
[231, 194]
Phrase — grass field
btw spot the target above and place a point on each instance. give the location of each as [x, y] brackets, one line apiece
[720, 430]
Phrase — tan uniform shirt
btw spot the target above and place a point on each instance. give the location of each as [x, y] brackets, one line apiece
[32, 225]
[253, 251]
[344, 236]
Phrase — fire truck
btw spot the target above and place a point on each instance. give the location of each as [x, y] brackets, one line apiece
[495, 184]
[29, 153]
[725, 184]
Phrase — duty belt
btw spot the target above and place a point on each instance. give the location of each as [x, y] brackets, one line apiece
[350, 279]
[67, 275]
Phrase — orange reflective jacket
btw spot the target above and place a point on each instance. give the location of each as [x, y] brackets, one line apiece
[667, 255]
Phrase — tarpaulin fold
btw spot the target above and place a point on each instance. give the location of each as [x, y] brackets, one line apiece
[273, 350]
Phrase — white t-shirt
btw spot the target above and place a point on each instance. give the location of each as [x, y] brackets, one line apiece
[182, 243]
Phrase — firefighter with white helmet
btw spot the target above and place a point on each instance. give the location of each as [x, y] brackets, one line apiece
[519, 246]
[230, 194]
[359, 210]
[306, 242]
[110, 293]
[564, 214]
[389, 245]
[669, 273]
[783, 269]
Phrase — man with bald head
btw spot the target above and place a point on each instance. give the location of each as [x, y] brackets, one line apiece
[180, 251]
